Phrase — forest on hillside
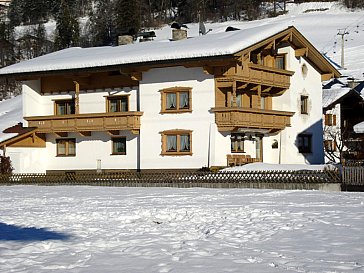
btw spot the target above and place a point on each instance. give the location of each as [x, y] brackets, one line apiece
[108, 19]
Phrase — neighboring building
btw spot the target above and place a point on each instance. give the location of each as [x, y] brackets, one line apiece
[343, 107]
[214, 100]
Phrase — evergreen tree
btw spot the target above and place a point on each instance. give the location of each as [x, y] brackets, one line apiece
[67, 28]
[127, 17]
[101, 23]
[5, 165]
[16, 12]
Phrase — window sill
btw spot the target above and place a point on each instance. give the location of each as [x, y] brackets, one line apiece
[176, 153]
[118, 154]
[65, 155]
[238, 152]
[179, 111]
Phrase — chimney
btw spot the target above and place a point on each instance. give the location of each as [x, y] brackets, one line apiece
[125, 39]
[179, 34]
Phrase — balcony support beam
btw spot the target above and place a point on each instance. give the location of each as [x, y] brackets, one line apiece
[61, 134]
[77, 97]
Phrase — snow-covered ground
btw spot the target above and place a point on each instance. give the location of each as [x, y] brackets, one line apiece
[94, 229]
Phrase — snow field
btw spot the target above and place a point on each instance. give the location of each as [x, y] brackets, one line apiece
[180, 230]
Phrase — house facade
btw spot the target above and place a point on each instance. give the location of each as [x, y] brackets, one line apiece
[343, 108]
[218, 100]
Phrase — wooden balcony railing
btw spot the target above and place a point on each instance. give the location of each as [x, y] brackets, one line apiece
[262, 75]
[86, 122]
[230, 118]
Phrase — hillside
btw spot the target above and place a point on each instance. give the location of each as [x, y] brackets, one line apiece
[319, 22]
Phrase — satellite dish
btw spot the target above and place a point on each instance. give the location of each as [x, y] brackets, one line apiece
[231, 29]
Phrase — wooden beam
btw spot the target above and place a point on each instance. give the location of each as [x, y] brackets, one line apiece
[300, 52]
[326, 77]
[113, 132]
[77, 97]
[224, 84]
[85, 133]
[266, 90]
[61, 134]
[136, 76]
[243, 86]
[135, 132]
[208, 70]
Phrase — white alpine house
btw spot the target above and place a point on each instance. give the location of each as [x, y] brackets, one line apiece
[223, 99]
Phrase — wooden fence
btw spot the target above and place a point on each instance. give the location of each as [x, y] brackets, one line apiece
[353, 176]
[304, 179]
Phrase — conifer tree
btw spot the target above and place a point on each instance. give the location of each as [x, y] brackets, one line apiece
[127, 17]
[67, 28]
[101, 23]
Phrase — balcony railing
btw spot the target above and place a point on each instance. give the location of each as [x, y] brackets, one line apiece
[230, 118]
[86, 122]
[259, 74]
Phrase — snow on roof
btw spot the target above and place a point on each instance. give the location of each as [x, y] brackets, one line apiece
[359, 128]
[204, 46]
[10, 115]
[330, 96]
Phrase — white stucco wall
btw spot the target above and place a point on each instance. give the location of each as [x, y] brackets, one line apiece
[89, 149]
[90, 101]
[27, 160]
[153, 122]
[311, 123]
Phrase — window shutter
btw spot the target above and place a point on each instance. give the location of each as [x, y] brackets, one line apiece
[326, 119]
[334, 120]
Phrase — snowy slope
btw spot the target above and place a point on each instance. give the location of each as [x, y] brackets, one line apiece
[137, 230]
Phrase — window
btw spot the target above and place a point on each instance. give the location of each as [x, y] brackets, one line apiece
[66, 147]
[119, 146]
[280, 62]
[177, 142]
[117, 104]
[304, 104]
[238, 100]
[237, 143]
[304, 70]
[65, 107]
[330, 145]
[176, 99]
[304, 143]
[330, 119]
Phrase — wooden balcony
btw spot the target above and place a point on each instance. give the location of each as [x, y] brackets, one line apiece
[260, 75]
[232, 118]
[87, 122]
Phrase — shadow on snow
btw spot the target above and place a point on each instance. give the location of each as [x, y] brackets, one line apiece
[17, 233]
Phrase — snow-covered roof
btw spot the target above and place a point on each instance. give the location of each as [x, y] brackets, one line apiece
[10, 114]
[330, 96]
[219, 44]
[359, 128]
